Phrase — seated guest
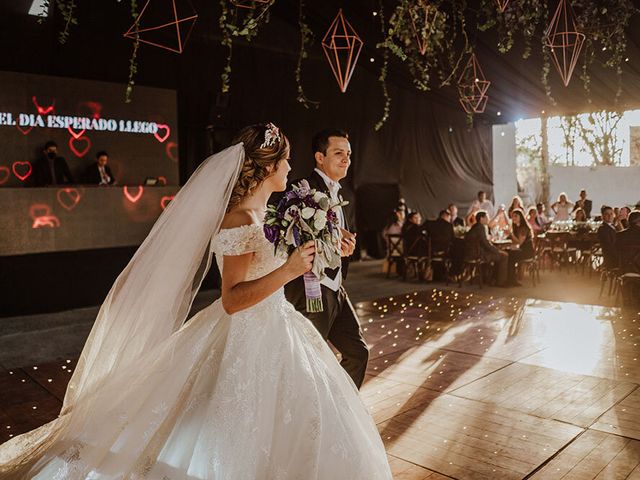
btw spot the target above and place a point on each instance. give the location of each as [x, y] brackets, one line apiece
[50, 168]
[481, 203]
[394, 226]
[477, 245]
[542, 215]
[622, 218]
[441, 232]
[499, 224]
[607, 237]
[532, 218]
[583, 203]
[628, 243]
[561, 208]
[522, 237]
[516, 202]
[579, 215]
[471, 216]
[99, 173]
[413, 237]
[455, 220]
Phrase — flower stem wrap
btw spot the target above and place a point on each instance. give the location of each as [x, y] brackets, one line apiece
[313, 292]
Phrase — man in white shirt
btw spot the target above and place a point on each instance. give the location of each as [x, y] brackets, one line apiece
[338, 322]
[482, 203]
[99, 173]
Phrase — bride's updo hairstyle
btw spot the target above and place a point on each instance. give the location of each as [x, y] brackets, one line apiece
[264, 145]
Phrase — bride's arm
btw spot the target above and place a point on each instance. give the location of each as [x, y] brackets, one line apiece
[238, 293]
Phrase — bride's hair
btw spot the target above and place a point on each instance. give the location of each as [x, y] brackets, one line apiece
[257, 159]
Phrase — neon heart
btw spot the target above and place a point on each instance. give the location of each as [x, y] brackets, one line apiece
[162, 180]
[74, 134]
[39, 210]
[24, 131]
[22, 170]
[77, 150]
[68, 198]
[50, 221]
[5, 173]
[133, 198]
[164, 201]
[172, 151]
[167, 132]
[43, 110]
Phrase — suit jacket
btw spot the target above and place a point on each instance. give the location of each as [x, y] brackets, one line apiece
[316, 182]
[441, 233]
[477, 244]
[628, 249]
[607, 238]
[42, 172]
[588, 204]
[92, 174]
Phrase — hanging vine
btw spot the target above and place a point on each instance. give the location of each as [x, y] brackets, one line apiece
[238, 25]
[306, 38]
[519, 18]
[133, 60]
[383, 73]
[67, 9]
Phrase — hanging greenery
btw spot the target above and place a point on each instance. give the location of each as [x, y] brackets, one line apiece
[67, 9]
[243, 23]
[133, 61]
[306, 38]
[383, 72]
[604, 22]
[519, 18]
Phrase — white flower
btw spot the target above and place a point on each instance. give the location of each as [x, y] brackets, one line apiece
[307, 212]
[291, 211]
[318, 196]
[320, 219]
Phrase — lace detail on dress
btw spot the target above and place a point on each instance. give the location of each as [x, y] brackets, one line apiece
[247, 239]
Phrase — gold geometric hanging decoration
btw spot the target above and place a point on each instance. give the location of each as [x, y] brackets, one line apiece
[565, 40]
[342, 46]
[473, 87]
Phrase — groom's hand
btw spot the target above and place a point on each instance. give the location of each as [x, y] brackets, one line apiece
[348, 243]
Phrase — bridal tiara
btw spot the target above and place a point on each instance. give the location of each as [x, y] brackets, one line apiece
[271, 135]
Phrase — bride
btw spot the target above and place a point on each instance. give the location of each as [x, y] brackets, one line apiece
[247, 389]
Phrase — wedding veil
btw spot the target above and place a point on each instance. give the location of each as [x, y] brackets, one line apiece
[152, 296]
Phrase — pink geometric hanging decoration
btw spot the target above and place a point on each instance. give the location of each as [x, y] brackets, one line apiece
[342, 47]
[502, 5]
[473, 86]
[423, 16]
[164, 18]
[565, 40]
[250, 3]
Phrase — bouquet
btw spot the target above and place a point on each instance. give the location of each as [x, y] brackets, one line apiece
[302, 215]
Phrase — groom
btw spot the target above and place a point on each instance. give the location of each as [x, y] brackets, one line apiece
[338, 323]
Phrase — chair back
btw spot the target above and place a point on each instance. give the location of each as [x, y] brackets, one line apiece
[394, 246]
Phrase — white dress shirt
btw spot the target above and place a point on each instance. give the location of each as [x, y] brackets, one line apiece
[104, 177]
[334, 188]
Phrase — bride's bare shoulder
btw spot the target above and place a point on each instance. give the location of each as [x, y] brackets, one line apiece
[237, 218]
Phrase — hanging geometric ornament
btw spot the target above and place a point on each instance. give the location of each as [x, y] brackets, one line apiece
[250, 3]
[565, 40]
[502, 5]
[423, 16]
[164, 19]
[473, 86]
[342, 47]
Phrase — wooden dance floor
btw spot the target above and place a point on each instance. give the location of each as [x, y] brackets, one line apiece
[466, 386]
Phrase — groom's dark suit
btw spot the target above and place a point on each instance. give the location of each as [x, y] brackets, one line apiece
[338, 323]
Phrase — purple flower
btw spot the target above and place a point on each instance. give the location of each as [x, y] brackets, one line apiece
[296, 236]
[271, 232]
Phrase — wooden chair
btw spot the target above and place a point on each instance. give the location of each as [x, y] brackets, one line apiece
[394, 253]
[418, 264]
[473, 268]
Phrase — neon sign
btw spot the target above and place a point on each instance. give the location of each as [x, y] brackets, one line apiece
[42, 217]
[5, 173]
[133, 198]
[68, 198]
[78, 150]
[31, 120]
[43, 110]
[166, 200]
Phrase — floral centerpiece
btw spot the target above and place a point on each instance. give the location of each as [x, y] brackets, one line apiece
[305, 214]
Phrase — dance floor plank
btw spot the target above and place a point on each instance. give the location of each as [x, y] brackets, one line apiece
[467, 439]
[622, 419]
[439, 370]
[594, 455]
[548, 393]
[403, 470]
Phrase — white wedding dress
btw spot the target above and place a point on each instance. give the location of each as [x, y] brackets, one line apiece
[254, 395]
